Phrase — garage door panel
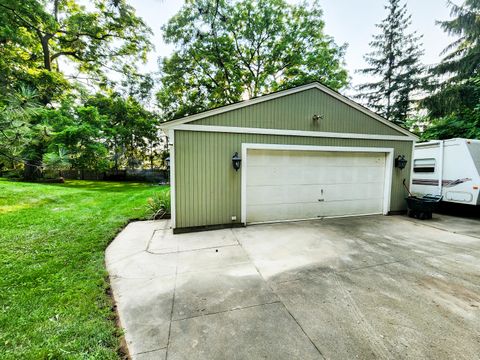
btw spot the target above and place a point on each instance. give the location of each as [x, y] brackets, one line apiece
[291, 185]
[331, 160]
[307, 175]
[261, 213]
[284, 158]
[351, 207]
[291, 194]
[341, 192]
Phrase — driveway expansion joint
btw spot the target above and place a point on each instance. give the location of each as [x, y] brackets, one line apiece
[280, 300]
[227, 311]
[190, 250]
[303, 331]
[150, 239]
[149, 351]
[171, 311]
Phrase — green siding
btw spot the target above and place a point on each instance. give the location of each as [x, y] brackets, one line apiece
[295, 111]
[208, 189]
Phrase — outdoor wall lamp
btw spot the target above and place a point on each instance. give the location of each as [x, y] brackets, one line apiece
[316, 117]
[167, 162]
[236, 161]
[400, 162]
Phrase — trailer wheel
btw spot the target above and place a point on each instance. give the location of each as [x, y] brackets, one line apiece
[410, 213]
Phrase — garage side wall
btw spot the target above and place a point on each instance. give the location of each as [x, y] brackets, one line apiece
[208, 189]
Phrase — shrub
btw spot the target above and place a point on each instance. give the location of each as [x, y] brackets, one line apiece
[12, 174]
[158, 206]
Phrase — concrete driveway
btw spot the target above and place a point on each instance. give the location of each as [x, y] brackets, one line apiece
[365, 287]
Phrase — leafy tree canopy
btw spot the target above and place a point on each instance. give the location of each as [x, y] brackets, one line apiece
[56, 47]
[39, 38]
[129, 130]
[227, 50]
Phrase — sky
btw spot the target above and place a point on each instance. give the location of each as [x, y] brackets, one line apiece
[347, 21]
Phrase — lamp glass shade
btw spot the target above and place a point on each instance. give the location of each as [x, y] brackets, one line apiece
[401, 162]
[236, 161]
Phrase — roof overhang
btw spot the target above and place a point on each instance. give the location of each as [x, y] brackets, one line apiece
[169, 125]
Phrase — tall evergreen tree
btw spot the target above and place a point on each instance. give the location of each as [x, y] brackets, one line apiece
[463, 55]
[455, 86]
[394, 64]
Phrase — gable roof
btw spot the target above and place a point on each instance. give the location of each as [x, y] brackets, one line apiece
[315, 85]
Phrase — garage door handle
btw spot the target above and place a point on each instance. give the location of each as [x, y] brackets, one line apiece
[321, 199]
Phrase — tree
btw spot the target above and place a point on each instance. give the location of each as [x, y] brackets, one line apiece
[454, 103]
[129, 131]
[227, 50]
[463, 124]
[395, 64]
[43, 35]
[456, 80]
[463, 59]
[40, 38]
[57, 161]
[81, 134]
[15, 118]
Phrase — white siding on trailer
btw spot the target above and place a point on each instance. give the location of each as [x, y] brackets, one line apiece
[423, 181]
[455, 175]
[291, 184]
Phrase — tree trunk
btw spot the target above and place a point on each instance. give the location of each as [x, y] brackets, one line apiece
[44, 39]
[55, 10]
[31, 170]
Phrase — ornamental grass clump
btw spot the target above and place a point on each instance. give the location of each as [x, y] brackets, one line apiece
[158, 206]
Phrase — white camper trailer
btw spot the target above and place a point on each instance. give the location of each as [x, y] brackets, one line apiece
[448, 167]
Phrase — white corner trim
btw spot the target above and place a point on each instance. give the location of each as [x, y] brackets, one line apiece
[324, 134]
[389, 152]
[171, 144]
[411, 169]
[280, 94]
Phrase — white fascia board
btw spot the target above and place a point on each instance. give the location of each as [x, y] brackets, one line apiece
[239, 105]
[262, 131]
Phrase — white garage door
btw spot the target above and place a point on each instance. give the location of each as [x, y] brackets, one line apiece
[293, 185]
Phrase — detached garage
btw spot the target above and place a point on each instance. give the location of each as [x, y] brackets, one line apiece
[302, 153]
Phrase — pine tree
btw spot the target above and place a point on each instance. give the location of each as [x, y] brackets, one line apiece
[395, 64]
[463, 58]
[455, 82]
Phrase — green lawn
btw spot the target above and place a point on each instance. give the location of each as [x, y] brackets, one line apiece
[53, 289]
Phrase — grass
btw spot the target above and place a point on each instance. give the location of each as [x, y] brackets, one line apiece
[53, 290]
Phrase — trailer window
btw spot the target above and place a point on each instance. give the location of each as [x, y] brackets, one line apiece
[424, 165]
